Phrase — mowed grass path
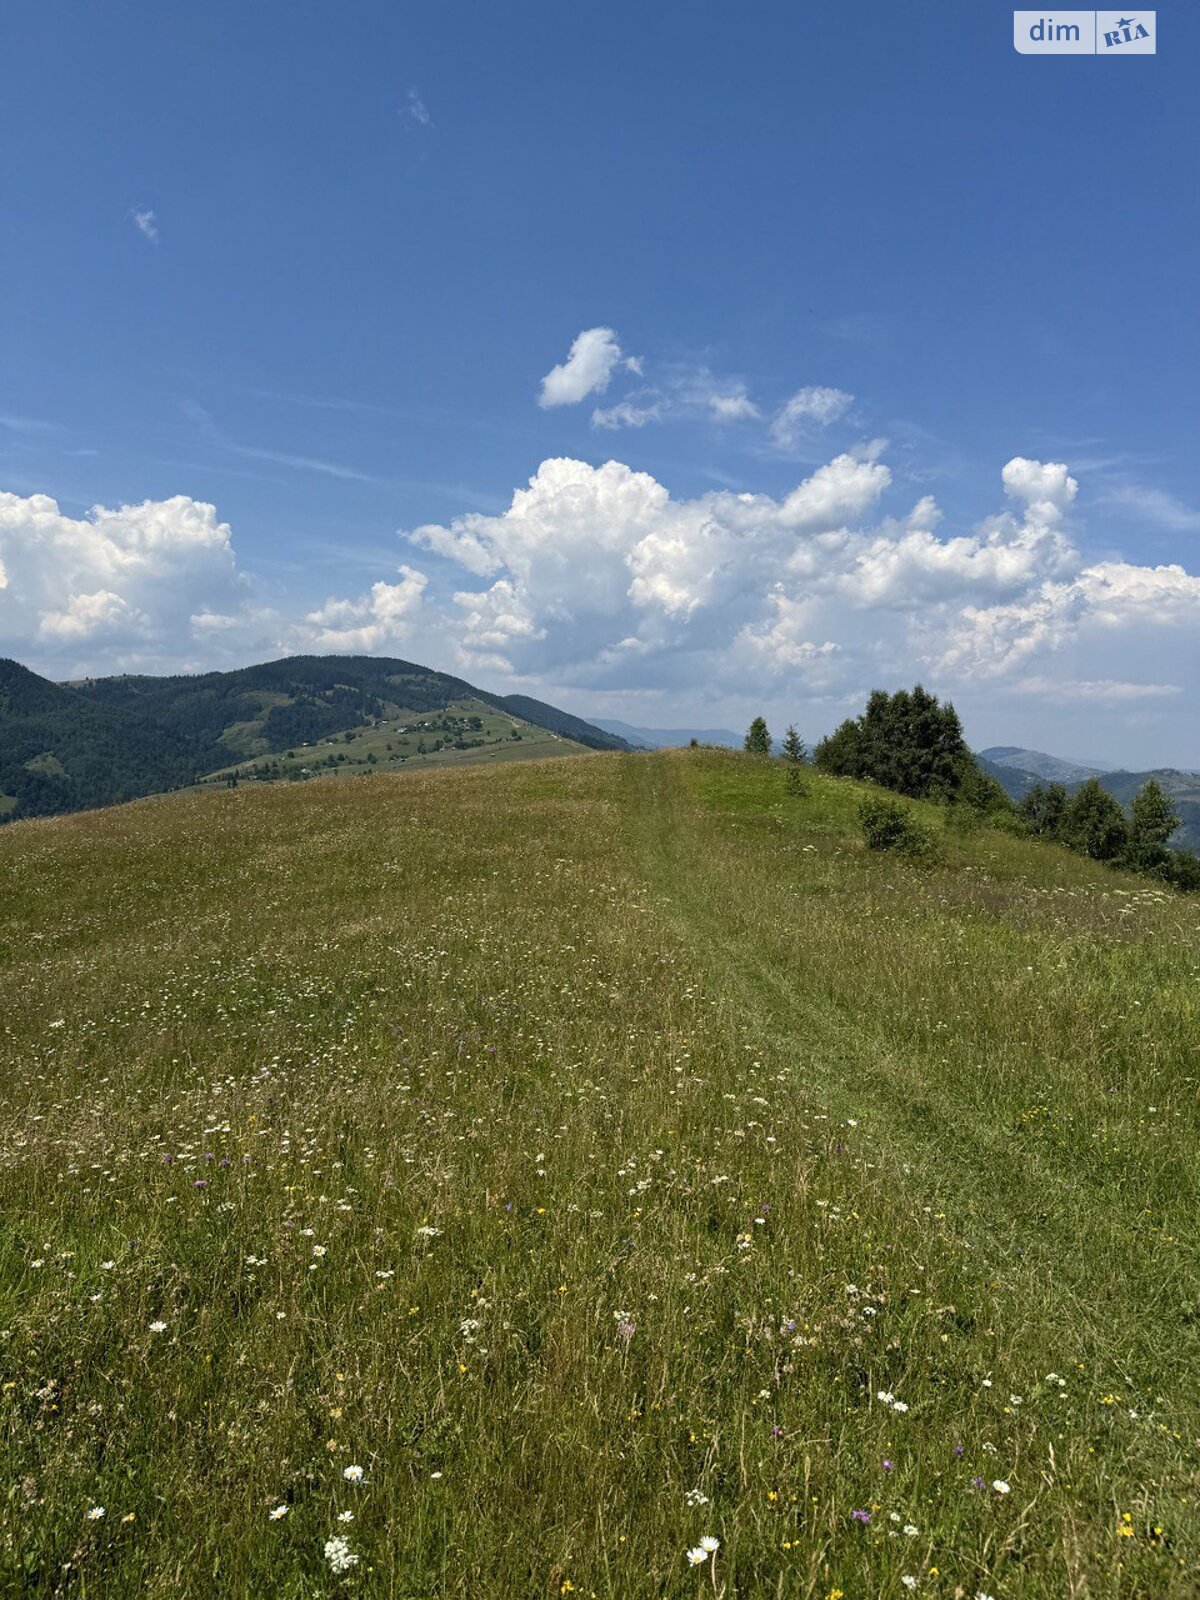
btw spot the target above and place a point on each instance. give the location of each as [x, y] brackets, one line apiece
[600, 1155]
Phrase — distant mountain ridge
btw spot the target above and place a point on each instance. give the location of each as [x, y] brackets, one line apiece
[65, 747]
[1051, 769]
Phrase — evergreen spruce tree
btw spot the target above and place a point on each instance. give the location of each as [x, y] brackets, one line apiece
[758, 738]
[793, 746]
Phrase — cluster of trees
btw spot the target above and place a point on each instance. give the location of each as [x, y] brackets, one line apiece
[758, 742]
[909, 742]
[912, 744]
[1093, 822]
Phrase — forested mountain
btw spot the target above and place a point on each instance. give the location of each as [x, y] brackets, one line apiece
[68, 746]
[60, 751]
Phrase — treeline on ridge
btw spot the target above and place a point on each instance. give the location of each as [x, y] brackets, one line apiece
[912, 744]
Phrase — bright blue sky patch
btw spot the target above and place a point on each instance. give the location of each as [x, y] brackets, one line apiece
[667, 361]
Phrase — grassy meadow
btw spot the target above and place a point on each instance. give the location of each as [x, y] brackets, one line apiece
[495, 1183]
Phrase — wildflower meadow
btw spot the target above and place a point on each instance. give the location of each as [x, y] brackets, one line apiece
[601, 1176]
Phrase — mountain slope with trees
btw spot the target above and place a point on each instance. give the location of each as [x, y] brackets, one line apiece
[60, 751]
[912, 744]
[65, 747]
[1018, 780]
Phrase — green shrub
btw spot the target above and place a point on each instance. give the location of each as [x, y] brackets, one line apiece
[888, 825]
[964, 818]
[1181, 868]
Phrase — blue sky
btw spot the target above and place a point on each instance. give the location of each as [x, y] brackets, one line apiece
[309, 265]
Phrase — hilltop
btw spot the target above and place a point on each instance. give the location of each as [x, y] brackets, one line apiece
[552, 1166]
[669, 738]
[64, 747]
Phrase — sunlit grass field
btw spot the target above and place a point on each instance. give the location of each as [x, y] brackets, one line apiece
[498, 1182]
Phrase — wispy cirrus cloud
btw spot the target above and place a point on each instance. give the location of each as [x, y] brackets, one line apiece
[1153, 506]
[808, 409]
[1095, 691]
[416, 109]
[214, 435]
[146, 223]
[692, 392]
[285, 458]
[684, 392]
[28, 427]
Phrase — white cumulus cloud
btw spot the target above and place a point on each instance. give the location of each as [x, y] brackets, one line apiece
[594, 356]
[596, 576]
[597, 579]
[371, 624]
[598, 570]
[122, 579]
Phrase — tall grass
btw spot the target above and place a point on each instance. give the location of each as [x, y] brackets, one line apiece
[600, 1155]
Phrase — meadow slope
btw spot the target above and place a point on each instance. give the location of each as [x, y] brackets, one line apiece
[491, 1182]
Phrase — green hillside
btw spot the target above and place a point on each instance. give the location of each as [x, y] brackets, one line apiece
[64, 747]
[457, 732]
[525, 1174]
